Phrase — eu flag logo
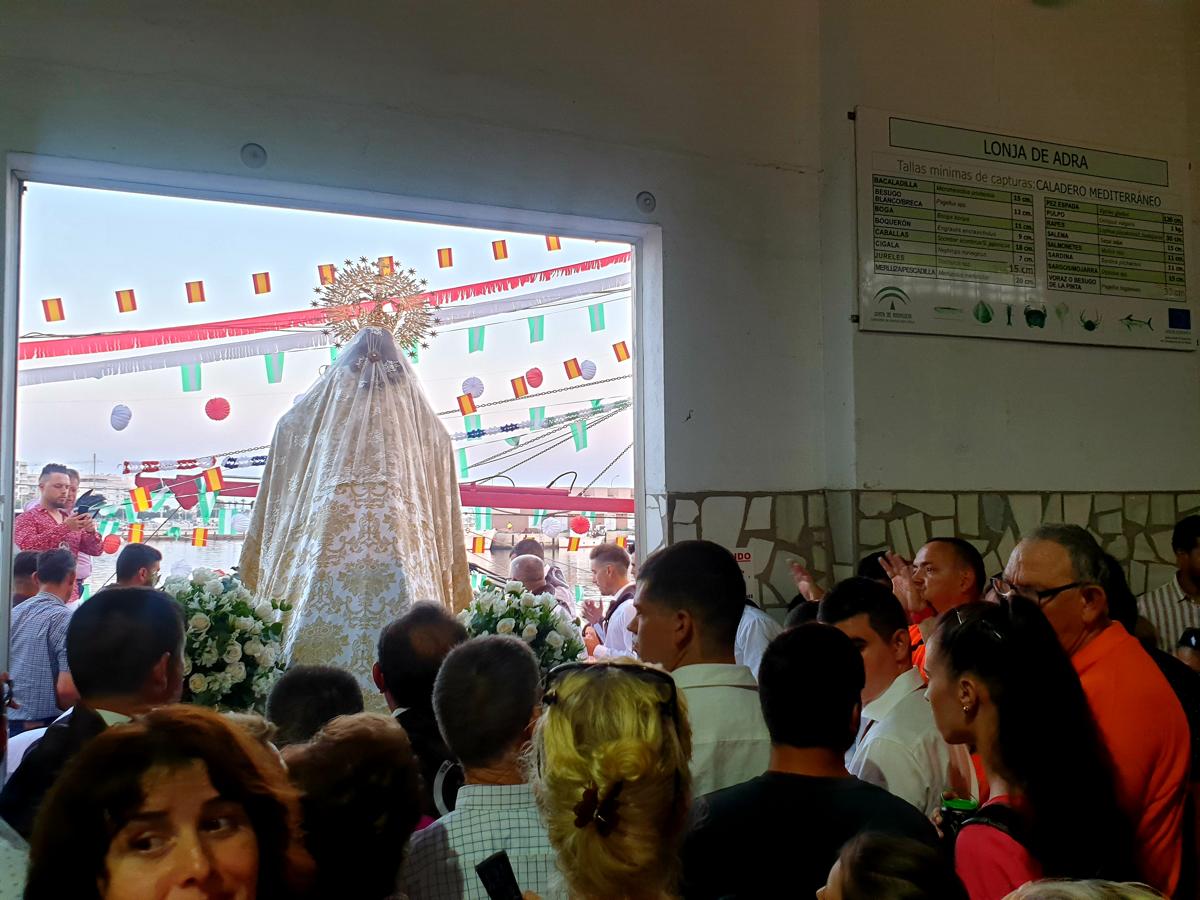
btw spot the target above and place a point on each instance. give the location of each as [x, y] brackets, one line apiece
[1180, 319]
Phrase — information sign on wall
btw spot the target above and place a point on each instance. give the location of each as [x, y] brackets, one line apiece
[968, 232]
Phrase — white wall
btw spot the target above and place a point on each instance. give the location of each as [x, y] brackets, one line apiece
[945, 413]
[564, 107]
[734, 116]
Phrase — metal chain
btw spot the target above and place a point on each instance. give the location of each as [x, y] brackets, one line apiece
[606, 468]
[546, 450]
[546, 433]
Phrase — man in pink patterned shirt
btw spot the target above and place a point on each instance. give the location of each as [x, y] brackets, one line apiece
[50, 525]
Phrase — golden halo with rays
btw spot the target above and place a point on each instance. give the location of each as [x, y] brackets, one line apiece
[377, 294]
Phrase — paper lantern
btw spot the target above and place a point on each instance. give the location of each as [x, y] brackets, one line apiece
[473, 386]
[587, 369]
[553, 527]
[534, 377]
[217, 409]
[120, 417]
[111, 544]
[241, 523]
[581, 525]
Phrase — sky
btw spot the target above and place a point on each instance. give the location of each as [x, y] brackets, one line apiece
[82, 245]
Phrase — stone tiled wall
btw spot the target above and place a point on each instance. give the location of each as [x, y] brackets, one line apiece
[775, 528]
[829, 530]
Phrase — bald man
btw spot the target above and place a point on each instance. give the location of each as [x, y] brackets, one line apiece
[530, 570]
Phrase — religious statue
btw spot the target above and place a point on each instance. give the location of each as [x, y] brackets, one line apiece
[358, 514]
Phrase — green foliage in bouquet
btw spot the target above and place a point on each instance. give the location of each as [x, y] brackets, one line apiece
[537, 619]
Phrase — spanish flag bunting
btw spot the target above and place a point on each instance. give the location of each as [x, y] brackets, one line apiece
[466, 404]
[572, 367]
[262, 282]
[199, 537]
[195, 291]
[621, 349]
[622, 541]
[572, 544]
[520, 388]
[136, 532]
[213, 480]
[478, 544]
[553, 242]
[140, 498]
[53, 308]
[326, 273]
[387, 265]
[445, 258]
[500, 249]
[126, 302]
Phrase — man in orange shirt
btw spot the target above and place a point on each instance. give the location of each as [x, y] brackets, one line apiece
[947, 572]
[1061, 567]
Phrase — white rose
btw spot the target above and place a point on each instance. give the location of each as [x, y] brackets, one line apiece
[547, 601]
[514, 587]
[265, 611]
[199, 623]
[214, 588]
[253, 647]
[506, 626]
[197, 683]
[216, 683]
[237, 672]
[208, 657]
[528, 600]
[555, 640]
[564, 627]
[233, 652]
[187, 666]
[529, 633]
[201, 575]
[243, 623]
[268, 656]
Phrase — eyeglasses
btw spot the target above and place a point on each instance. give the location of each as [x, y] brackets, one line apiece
[649, 674]
[1007, 590]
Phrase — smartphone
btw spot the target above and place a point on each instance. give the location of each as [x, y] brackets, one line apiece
[496, 873]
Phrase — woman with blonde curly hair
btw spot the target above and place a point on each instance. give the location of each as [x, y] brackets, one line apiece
[610, 773]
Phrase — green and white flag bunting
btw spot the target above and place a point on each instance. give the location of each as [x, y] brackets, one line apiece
[130, 515]
[537, 417]
[205, 501]
[191, 378]
[333, 352]
[596, 316]
[87, 593]
[513, 441]
[464, 468]
[225, 520]
[475, 339]
[109, 526]
[476, 581]
[159, 499]
[537, 329]
[539, 516]
[483, 519]
[596, 404]
[274, 363]
[174, 531]
[579, 432]
[473, 422]
[579, 593]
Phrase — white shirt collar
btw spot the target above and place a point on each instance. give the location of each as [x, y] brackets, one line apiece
[905, 684]
[714, 675]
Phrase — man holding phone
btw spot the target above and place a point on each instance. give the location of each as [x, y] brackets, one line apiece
[52, 524]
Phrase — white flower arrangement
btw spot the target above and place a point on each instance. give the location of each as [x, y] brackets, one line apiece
[536, 619]
[233, 647]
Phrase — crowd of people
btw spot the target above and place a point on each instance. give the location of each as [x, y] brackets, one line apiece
[919, 731]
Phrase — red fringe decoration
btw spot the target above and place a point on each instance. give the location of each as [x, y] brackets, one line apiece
[135, 340]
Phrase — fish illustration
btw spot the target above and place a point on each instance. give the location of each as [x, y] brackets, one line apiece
[1132, 324]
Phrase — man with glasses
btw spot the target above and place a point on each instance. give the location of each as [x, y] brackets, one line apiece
[946, 573]
[138, 566]
[1061, 568]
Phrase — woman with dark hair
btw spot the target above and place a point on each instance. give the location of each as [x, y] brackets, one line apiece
[1000, 681]
[178, 800]
[884, 867]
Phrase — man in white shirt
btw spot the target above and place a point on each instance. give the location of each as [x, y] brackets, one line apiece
[898, 747]
[755, 631]
[687, 608]
[607, 633]
[1174, 607]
